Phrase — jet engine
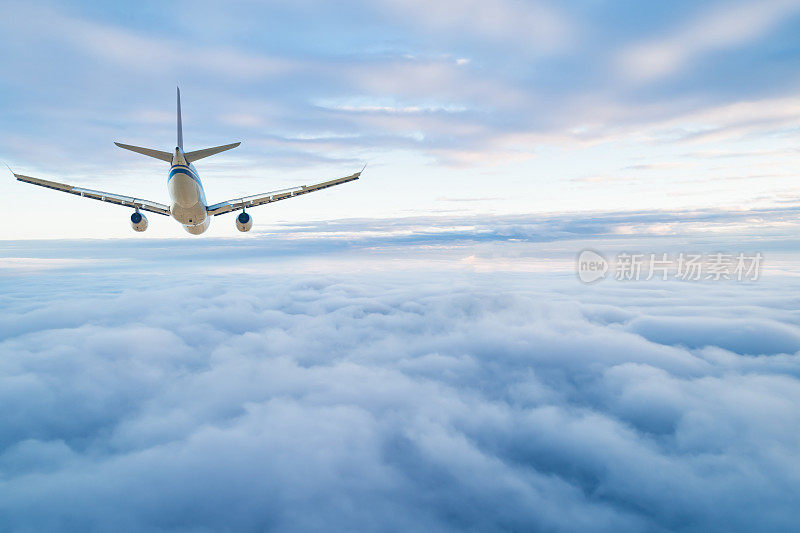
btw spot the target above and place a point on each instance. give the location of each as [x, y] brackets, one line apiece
[138, 221]
[244, 222]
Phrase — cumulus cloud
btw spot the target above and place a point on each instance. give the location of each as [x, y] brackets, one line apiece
[153, 393]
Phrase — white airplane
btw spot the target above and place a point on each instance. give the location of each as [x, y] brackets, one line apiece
[186, 191]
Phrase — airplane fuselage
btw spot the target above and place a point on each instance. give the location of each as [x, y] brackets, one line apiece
[187, 195]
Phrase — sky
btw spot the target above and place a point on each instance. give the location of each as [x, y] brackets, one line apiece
[413, 351]
[502, 107]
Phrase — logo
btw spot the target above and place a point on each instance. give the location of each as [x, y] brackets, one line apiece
[591, 266]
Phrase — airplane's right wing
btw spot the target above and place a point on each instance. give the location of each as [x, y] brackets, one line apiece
[274, 196]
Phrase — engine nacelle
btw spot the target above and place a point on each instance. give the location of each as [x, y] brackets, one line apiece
[138, 221]
[244, 221]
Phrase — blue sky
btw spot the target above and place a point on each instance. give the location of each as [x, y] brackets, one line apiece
[493, 108]
[412, 351]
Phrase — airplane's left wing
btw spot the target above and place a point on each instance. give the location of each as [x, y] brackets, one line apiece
[138, 203]
[274, 196]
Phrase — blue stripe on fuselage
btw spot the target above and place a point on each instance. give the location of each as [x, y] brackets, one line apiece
[182, 169]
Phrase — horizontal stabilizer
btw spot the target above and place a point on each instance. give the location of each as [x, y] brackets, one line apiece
[158, 154]
[200, 154]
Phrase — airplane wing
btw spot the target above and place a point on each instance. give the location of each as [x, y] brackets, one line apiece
[144, 205]
[274, 196]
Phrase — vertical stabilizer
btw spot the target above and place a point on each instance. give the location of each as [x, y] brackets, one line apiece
[180, 123]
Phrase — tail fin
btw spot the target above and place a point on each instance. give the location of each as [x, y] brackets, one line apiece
[158, 154]
[200, 154]
[180, 123]
[166, 156]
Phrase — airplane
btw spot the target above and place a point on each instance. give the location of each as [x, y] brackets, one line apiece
[188, 200]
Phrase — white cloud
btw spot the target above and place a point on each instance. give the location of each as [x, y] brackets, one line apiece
[139, 397]
[537, 26]
[153, 54]
[724, 26]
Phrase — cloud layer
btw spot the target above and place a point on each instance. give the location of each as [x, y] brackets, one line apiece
[150, 399]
